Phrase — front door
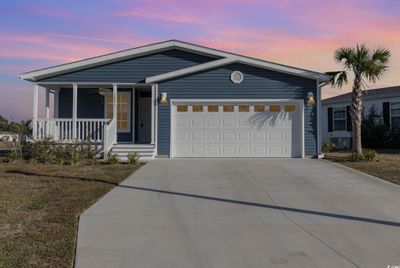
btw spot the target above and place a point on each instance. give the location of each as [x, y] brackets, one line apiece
[144, 116]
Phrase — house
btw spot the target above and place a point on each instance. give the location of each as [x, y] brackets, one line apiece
[177, 99]
[336, 120]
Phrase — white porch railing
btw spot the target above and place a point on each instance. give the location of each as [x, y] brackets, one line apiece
[110, 136]
[60, 129]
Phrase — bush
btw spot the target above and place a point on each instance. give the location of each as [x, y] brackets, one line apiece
[13, 156]
[375, 134]
[356, 157]
[370, 155]
[48, 151]
[328, 146]
[112, 159]
[133, 159]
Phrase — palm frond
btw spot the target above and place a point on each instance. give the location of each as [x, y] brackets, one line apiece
[345, 55]
[381, 54]
[338, 78]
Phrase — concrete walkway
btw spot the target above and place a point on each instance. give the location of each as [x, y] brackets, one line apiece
[243, 213]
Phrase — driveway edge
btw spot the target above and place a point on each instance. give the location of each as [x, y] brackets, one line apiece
[358, 172]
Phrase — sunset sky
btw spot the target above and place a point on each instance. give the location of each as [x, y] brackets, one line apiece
[37, 34]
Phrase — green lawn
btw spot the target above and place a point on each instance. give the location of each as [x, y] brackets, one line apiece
[40, 205]
[387, 166]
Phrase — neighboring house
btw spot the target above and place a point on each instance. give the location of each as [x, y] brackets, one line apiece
[176, 99]
[336, 120]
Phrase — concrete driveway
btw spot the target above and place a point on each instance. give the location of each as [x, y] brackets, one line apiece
[243, 213]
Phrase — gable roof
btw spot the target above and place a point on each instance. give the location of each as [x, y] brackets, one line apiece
[370, 94]
[167, 45]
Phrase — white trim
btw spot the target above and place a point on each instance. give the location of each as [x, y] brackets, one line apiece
[35, 110]
[133, 109]
[173, 102]
[390, 113]
[345, 118]
[56, 102]
[171, 128]
[47, 104]
[74, 108]
[153, 98]
[156, 121]
[233, 77]
[319, 140]
[233, 100]
[192, 69]
[153, 48]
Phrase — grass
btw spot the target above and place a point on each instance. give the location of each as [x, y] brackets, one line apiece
[387, 166]
[40, 205]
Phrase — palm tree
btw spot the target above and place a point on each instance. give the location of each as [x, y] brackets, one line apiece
[365, 64]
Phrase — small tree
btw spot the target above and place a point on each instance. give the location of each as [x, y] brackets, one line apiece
[364, 63]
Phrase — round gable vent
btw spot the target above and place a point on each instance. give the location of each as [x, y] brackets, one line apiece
[237, 77]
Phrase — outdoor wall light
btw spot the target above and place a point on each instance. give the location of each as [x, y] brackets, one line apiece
[163, 98]
[310, 99]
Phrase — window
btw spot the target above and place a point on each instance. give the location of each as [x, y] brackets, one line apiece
[228, 108]
[213, 108]
[290, 108]
[244, 108]
[275, 108]
[339, 118]
[395, 115]
[197, 108]
[259, 108]
[123, 110]
[182, 108]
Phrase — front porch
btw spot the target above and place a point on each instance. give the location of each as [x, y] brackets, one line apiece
[105, 114]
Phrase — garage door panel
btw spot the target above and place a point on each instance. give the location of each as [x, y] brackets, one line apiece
[228, 136]
[182, 136]
[198, 137]
[213, 150]
[213, 136]
[197, 123]
[228, 123]
[236, 133]
[213, 123]
[228, 149]
[197, 149]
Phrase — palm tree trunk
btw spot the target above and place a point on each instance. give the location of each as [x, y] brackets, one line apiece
[356, 114]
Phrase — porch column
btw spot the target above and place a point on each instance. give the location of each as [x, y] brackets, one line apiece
[56, 95]
[153, 121]
[74, 108]
[35, 110]
[115, 102]
[47, 104]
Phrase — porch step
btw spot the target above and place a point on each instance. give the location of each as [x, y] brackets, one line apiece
[122, 150]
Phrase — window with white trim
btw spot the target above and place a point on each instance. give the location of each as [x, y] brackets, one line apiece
[339, 118]
[395, 115]
[123, 110]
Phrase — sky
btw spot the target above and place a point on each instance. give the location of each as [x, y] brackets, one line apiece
[301, 33]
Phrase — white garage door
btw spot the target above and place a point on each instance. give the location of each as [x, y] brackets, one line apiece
[247, 129]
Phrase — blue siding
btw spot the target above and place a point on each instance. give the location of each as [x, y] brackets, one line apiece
[257, 83]
[134, 70]
[90, 105]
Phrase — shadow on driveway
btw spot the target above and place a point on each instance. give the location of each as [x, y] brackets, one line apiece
[218, 199]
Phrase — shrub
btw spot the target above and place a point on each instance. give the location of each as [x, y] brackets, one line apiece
[13, 156]
[133, 159]
[112, 159]
[48, 151]
[370, 155]
[328, 146]
[356, 157]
